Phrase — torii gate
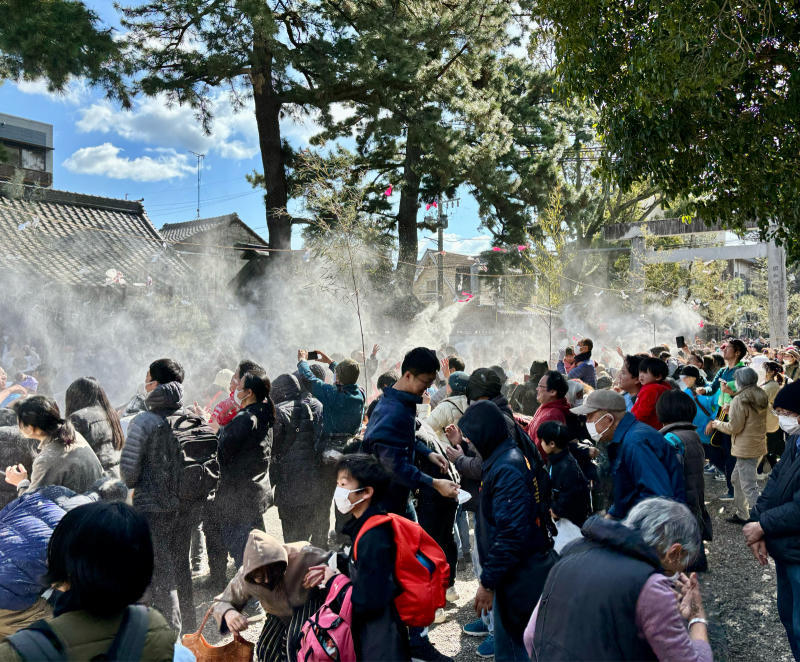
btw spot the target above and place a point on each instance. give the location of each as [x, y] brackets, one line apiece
[776, 260]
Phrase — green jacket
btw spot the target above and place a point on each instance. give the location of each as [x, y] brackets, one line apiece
[86, 636]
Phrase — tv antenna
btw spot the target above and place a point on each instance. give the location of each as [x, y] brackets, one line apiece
[200, 158]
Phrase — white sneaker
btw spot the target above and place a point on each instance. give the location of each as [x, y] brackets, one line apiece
[452, 594]
[440, 617]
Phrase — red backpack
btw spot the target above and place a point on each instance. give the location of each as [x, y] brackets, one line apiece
[420, 568]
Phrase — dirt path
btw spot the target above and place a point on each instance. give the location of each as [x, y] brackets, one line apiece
[738, 594]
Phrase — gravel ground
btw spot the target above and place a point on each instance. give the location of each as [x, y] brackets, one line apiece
[739, 596]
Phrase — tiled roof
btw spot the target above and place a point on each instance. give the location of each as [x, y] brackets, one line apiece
[72, 238]
[176, 233]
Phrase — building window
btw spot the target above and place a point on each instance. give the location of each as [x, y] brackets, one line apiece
[10, 154]
[33, 159]
[430, 287]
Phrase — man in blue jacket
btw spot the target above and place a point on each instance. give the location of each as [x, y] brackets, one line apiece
[391, 437]
[391, 432]
[643, 463]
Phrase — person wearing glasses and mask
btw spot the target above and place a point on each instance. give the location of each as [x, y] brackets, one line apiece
[643, 463]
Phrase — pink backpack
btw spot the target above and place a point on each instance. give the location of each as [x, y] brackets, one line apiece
[326, 635]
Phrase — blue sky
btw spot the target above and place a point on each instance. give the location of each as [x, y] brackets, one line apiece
[146, 154]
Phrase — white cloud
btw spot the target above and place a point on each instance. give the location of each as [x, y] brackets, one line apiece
[455, 243]
[105, 160]
[75, 91]
[234, 134]
[156, 122]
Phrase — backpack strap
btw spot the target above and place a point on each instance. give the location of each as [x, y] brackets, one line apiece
[371, 523]
[38, 642]
[675, 441]
[129, 640]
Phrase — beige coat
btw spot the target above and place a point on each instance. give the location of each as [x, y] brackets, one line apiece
[448, 412]
[747, 424]
[262, 550]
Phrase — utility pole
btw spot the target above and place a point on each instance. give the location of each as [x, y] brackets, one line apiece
[440, 259]
[200, 158]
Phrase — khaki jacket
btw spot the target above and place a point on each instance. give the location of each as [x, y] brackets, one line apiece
[86, 637]
[262, 550]
[748, 423]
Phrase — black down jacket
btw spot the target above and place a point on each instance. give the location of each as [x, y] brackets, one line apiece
[298, 426]
[244, 451]
[778, 507]
[150, 462]
[93, 424]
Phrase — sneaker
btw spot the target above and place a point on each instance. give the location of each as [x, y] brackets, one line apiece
[719, 476]
[710, 469]
[727, 497]
[486, 649]
[452, 594]
[476, 628]
[440, 617]
[426, 652]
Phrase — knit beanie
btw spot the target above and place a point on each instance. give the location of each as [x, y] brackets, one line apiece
[458, 382]
[483, 383]
[789, 398]
[347, 372]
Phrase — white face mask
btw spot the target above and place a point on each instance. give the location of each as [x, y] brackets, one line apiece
[789, 424]
[341, 497]
[591, 428]
[237, 398]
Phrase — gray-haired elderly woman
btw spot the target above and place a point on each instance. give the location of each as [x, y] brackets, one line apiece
[747, 426]
[612, 595]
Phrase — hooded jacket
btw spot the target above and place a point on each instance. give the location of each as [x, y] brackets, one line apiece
[644, 409]
[93, 424]
[747, 423]
[150, 458]
[263, 550]
[643, 464]
[298, 427]
[505, 534]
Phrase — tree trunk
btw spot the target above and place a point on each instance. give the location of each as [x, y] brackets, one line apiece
[407, 213]
[267, 109]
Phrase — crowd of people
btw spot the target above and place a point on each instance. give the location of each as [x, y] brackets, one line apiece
[572, 493]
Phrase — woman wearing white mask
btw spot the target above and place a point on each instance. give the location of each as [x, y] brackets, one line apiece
[774, 529]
